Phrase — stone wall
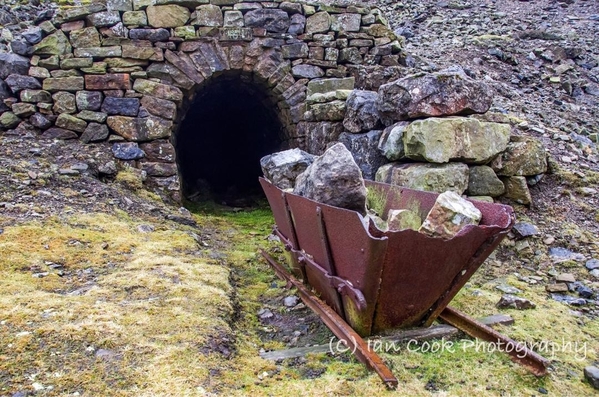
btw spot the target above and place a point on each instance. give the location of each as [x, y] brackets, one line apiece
[413, 131]
[124, 73]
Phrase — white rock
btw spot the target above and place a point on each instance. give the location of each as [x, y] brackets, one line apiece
[37, 386]
[449, 215]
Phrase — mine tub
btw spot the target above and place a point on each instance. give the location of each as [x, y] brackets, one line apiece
[378, 281]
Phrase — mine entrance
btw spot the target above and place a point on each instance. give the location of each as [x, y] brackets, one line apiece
[230, 125]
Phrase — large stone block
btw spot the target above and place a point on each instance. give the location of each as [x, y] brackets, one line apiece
[298, 24]
[152, 35]
[64, 102]
[159, 169]
[328, 111]
[137, 52]
[346, 22]
[38, 120]
[524, 156]
[283, 168]
[294, 51]
[127, 151]
[85, 38]
[159, 90]
[391, 142]
[90, 115]
[135, 18]
[12, 64]
[482, 181]
[40, 73]
[63, 84]
[34, 96]
[111, 81]
[98, 52]
[319, 135]
[119, 5]
[121, 106]
[69, 122]
[17, 82]
[323, 86]
[364, 149]
[350, 55]
[233, 19]
[318, 23]
[307, 71]
[208, 15]
[51, 62]
[591, 374]
[105, 18]
[94, 132]
[273, 20]
[440, 140]
[114, 34]
[423, 176]
[68, 27]
[362, 113]
[89, 100]
[69, 14]
[21, 47]
[186, 32]
[140, 129]
[23, 109]
[4, 91]
[185, 3]
[58, 133]
[445, 93]
[76, 63]
[55, 44]
[9, 120]
[334, 179]
[127, 62]
[159, 107]
[33, 34]
[142, 4]
[96, 68]
[159, 151]
[170, 73]
[167, 16]
[516, 189]
[291, 8]
[189, 66]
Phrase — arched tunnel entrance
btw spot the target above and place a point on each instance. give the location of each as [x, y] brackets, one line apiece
[228, 127]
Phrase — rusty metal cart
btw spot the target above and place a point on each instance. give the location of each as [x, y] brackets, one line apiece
[376, 281]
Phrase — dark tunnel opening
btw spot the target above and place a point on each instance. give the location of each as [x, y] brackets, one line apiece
[229, 126]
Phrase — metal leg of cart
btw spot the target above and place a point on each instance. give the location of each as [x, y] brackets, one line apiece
[337, 325]
[517, 352]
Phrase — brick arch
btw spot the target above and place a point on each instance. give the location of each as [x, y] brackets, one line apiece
[231, 121]
[203, 62]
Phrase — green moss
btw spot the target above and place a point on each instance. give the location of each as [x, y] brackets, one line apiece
[376, 200]
[130, 178]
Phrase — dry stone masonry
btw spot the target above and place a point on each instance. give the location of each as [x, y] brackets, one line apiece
[123, 73]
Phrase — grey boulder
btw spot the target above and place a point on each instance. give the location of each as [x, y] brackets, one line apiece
[361, 112]
[282, 168]
[334, 179]
[445, 93]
